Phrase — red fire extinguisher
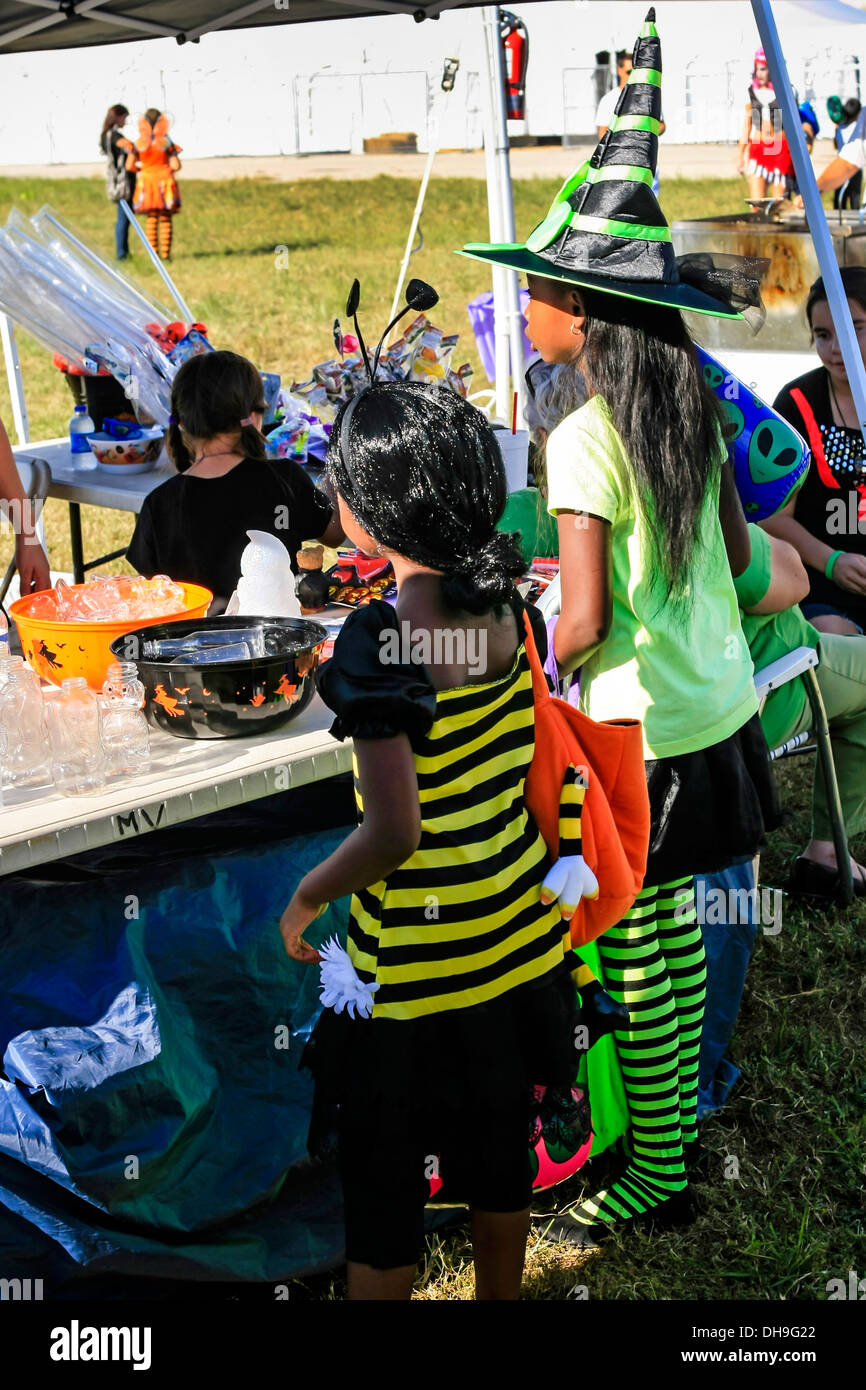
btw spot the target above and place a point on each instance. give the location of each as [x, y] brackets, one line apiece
[515, 55]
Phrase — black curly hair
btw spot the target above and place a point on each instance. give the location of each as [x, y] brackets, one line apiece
[419, 468]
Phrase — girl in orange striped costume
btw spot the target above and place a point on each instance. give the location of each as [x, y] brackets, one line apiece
[155, 158]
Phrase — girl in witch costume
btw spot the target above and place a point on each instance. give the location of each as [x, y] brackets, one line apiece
[155, 158]
[454, 998]
[650, 530]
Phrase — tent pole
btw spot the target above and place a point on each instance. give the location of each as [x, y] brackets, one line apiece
[13, 376]
[490, 25]
[514, 317]
[815, 218]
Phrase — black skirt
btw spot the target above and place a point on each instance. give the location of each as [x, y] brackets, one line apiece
[461, 1062]
[710, 807]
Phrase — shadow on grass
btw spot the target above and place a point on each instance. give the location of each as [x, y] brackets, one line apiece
[268, 250]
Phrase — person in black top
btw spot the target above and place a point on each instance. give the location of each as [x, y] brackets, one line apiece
[194, 527]
[826, 520]
[119, 181]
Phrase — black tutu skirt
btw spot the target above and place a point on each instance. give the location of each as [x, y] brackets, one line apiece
[710, 807]
[470, 1061]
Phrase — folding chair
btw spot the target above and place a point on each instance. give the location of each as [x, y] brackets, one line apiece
[35, 476]
[801, 664]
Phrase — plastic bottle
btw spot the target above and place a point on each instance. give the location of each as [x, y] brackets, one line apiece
[195, 644]
[76, 745]
[125, 735]
[81, 427]
[26, 762]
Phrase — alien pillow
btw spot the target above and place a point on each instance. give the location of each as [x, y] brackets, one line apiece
[769, 458]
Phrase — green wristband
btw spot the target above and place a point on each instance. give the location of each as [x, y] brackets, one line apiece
[828, 568]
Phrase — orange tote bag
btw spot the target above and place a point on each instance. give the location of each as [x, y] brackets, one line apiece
[615, 820]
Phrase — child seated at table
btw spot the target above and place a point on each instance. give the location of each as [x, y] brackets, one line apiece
[194, 526]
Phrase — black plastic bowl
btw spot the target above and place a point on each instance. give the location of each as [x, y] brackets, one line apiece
[232, 698]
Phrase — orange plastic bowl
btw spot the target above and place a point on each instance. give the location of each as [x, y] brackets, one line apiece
[57, 650]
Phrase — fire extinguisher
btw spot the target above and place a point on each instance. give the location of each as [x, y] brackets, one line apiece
[515, 54]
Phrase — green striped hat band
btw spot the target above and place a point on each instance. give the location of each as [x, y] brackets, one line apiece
[606, 219]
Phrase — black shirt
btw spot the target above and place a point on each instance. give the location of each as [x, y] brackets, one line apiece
[195, 529]
[827, 512]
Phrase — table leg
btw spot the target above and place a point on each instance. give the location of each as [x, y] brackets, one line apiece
[75, 539]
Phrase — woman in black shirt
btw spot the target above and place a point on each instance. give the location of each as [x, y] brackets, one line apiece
[119, 181]
[194, 527]
[826, 520]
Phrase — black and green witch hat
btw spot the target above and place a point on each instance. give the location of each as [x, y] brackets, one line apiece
[605, 229]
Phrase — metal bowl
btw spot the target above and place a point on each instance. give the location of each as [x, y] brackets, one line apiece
[227, 699]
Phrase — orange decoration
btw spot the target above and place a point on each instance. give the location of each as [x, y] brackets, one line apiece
[169, 704]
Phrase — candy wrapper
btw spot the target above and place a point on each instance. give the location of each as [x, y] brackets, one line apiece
[288, 440]
[357, 579]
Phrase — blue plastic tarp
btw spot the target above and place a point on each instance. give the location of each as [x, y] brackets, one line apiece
[153, 1119]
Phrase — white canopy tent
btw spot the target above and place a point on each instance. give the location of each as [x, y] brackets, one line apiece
[28, 25]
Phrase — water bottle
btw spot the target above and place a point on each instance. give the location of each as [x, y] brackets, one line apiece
[76, 745]
[199, 646]
[26, 761]
[125, 735]
[81, 427]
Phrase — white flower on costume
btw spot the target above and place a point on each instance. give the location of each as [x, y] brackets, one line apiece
[341, 987]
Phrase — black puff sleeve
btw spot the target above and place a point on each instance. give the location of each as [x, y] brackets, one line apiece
[371, 691]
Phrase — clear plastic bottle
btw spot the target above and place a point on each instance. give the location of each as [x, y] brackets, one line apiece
[76, 745]
[125, 735]
[81, 427]
[26, 761]
[189, 648]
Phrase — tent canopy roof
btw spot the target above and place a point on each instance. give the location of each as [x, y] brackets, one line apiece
[29, 25]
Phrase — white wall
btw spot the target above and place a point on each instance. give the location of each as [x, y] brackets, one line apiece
[309, 87]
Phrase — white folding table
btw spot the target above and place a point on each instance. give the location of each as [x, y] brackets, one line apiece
[188, 778]
[91, 487]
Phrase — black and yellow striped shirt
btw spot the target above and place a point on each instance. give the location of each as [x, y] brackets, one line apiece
[461, 922]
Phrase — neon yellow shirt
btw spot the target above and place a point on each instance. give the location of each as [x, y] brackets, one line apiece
[686, 674]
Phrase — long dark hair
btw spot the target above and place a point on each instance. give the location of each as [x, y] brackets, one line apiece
[424, 477]
[112, 116]
[210, 395]
[641, 360]
[853, 282]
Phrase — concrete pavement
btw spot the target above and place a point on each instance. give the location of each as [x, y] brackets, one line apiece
[545, 161]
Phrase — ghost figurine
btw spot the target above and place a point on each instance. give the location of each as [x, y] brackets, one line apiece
[266, 588]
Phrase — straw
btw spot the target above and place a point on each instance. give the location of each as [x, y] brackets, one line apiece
[514, 415]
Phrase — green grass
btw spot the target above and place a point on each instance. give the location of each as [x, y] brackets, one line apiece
[225, 267]
[794, 1217]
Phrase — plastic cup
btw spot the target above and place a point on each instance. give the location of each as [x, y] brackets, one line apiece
[514, 449]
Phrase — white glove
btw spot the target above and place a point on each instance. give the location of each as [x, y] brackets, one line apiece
[569, 879]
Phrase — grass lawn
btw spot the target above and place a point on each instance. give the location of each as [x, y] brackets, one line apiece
[226, 268]
[789, 1215]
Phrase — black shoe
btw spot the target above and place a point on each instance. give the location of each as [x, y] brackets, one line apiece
[696, 1157]
[811, 880]
[678, 1210]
